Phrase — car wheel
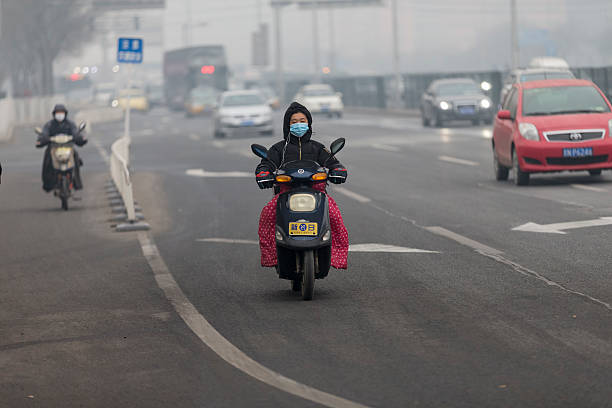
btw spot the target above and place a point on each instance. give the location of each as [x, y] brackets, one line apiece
[339, 114]
[424, 120]
[438, 121]
[596, 172]
[475, 122]
[501, 172]
[520, 178]
[218, 135]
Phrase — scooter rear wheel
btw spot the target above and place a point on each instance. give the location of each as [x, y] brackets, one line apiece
[308, 275]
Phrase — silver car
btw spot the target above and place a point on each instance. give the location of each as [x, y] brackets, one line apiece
[242, 113]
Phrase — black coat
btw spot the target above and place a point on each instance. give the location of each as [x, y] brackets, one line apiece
[295, 148]
[67, 127]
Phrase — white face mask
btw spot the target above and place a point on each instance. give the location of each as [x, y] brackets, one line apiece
[60, 116]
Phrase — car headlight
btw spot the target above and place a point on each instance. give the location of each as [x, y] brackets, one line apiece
[610, 127]
[485, 104]
[302, 202]
[444, 105]
[529, 131]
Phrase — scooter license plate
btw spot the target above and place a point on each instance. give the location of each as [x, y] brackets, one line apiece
[303, 228]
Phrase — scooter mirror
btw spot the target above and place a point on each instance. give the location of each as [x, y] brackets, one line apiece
[259, 151]
[82, 125]
[38, 131]
[337, 145]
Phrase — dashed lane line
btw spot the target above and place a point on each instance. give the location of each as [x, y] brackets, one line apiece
[218, 174]
[373, 247]
[456, 160]
[589, 188]
[385, 147]
[354, 196]
[219, 344]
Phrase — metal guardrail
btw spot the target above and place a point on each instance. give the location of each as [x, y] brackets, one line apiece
[120, 174]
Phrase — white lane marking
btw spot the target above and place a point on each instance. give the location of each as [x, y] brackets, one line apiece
[218, 144]
[102, 151]
[387, 249]
[218, 174]
[458, 161]
[194, 137]
[147, 132]
[464, 240]
[219, 344]
[385, 147]
[589, 188]
[559, 227]
[496, 256]
[350, 194]
[228, 241]
[374, 247]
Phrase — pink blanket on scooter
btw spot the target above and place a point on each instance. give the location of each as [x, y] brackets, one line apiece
[267, 223]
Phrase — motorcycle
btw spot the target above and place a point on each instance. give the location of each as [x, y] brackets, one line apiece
[302, 233]
[63, 159]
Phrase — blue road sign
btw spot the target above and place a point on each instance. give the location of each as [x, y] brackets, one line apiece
[129, 50]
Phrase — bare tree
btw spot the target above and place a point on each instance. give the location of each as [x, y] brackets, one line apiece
[34, 33]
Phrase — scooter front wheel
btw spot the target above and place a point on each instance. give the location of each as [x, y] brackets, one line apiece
[308, 275]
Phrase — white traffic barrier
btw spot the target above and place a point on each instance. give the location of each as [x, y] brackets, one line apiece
[120, 173]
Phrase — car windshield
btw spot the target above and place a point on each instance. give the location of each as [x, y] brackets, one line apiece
[458, 88]
[537, 76]
[318, 92]
[242, 100]
[559, 100]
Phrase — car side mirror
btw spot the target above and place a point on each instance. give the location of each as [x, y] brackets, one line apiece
[82, 126]
[504, 114]
[259, 151]
[337, 145]
[38, 131]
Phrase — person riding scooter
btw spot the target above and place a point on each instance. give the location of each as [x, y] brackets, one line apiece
[298, 145]
[59, 125]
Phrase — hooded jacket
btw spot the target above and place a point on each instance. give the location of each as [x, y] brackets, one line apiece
[67, 127]
[295, 148]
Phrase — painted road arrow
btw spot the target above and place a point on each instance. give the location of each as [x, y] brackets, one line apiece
[559, 227]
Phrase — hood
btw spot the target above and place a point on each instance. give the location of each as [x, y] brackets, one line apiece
[462, 98]
[295, 108]
[244, 110]
[569, 122]
[59, 107]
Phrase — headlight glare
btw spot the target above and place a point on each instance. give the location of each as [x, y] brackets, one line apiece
[302, 202]
[444, 105]
[529, 131]
[485, 104]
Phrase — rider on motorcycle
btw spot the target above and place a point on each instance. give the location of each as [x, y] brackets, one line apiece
[297, 145]
[59, 125]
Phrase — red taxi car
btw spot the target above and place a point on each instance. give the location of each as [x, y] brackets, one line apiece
[550, 126]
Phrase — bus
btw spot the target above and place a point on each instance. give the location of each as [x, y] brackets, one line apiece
[188, 68]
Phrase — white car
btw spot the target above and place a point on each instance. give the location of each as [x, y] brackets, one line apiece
[242, 112]
[320, 98]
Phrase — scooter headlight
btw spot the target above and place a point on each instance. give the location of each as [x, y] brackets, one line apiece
[63, 153]
[302, 202]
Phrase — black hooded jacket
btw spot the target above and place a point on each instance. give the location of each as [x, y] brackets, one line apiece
[67, 127]
[294, 148]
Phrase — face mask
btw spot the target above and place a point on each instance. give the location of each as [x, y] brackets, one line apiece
[60, 116]
[299, 129]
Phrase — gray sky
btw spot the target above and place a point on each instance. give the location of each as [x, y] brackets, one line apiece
[435, 35]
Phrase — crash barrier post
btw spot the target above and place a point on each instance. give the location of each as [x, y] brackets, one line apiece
[120, 174]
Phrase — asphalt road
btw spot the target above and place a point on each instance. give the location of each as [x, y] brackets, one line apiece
[490, 317]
